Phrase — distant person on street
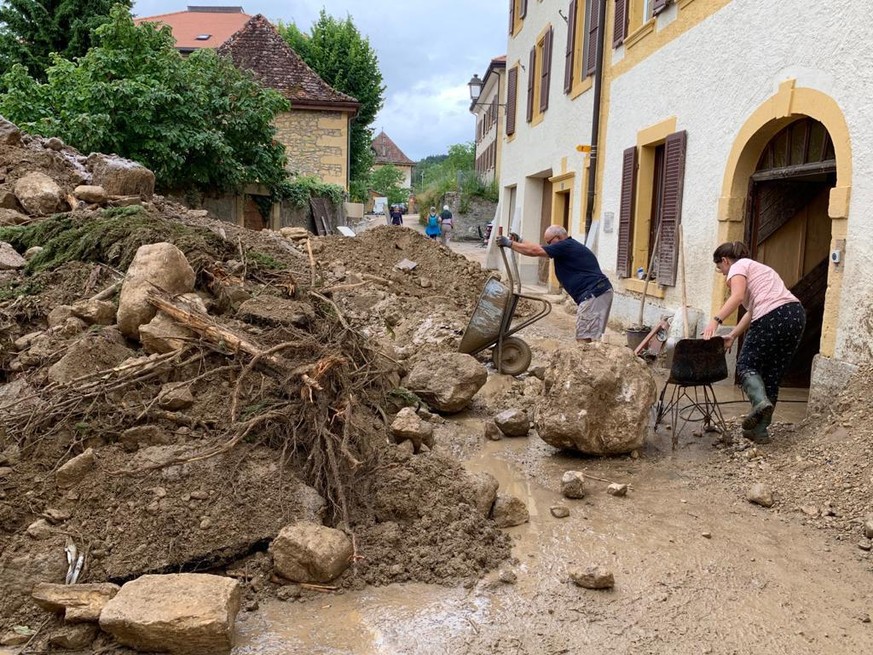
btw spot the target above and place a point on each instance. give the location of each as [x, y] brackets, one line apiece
[578, 271]
[432, 227]
[396, 215]
[447, 224]
[775, 320]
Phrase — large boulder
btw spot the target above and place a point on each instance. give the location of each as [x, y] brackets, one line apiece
[156, 265]
[309, 552]
[39, 194]
[597, 400]
[120, 177]
[448, 383]
[10, 216]
[181, 613]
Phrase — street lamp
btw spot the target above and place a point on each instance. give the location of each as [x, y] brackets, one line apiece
[475, 85]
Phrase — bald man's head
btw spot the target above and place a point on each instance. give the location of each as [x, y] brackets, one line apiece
[554, 233]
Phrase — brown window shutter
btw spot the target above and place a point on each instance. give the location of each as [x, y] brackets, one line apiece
[511, 99]
[619, 28]
[531, 71]
[547, 70]
[511, 15]
[626, 211]
[522, 9]
[671, 208]
[659, 6]
[571, 43]
[593, 36]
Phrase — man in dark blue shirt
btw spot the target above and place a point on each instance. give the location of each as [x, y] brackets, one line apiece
[579, 273]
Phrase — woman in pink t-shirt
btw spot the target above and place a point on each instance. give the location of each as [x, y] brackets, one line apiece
[775, 320]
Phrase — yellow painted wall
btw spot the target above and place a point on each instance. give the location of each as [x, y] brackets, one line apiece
[316, 143]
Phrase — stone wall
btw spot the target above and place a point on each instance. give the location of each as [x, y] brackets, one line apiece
[478, 214]
[316, 143]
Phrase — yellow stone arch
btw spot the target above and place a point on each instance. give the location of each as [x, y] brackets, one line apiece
[788, 104]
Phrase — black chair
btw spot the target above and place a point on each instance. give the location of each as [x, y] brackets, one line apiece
[697, 364]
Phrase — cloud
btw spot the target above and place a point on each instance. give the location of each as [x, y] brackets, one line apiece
[427, 52]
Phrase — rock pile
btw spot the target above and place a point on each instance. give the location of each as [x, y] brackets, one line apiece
[180, 393]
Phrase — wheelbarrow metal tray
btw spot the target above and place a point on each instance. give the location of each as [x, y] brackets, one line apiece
[484, 326]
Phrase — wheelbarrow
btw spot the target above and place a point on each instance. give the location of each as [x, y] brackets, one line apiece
[491, 324]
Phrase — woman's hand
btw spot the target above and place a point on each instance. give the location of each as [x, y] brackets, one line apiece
[710, 329]
[728, 342]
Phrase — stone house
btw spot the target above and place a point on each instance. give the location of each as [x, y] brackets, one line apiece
[315, 130]
[385, 152]
[718, 120]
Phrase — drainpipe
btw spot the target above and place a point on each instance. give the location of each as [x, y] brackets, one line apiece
[595, 119]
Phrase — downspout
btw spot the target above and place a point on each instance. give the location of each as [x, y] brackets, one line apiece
[595, 118]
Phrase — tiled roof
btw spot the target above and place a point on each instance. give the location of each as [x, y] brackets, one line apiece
[258, 47]
[218, 23]
[387, 152]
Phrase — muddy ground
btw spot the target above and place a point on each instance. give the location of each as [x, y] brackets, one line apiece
[698, 568]
[206, 487]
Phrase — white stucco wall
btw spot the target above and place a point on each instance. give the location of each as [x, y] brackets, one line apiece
[712, 79]
[534, 153]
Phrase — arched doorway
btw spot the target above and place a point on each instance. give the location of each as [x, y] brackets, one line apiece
[788, 227]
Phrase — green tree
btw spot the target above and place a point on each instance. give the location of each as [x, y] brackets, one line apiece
[31, 30]
[386, 181]
[343, 58]
[197, 122]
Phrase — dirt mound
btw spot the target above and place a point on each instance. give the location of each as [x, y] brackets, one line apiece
[823, 470]
[265, 417]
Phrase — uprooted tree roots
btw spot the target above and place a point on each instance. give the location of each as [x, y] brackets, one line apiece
[299, 396]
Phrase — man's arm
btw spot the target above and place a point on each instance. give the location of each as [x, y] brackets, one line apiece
[529, 248]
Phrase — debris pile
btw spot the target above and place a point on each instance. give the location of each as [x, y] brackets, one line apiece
[177, 392]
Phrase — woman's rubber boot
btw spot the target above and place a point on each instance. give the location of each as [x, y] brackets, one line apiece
[759, 434]
[762, 408]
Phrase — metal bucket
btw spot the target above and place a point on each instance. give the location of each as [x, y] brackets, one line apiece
[484, 326]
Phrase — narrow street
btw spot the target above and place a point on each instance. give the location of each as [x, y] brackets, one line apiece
[698, 569]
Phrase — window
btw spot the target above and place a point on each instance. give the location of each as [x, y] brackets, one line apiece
[539, 75]
[653, 177]
[583, 28]
[517, 13]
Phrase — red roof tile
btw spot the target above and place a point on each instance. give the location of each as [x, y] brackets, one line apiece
[258, 47]
[217, 22]
[387, 152]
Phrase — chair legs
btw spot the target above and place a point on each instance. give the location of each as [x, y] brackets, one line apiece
[702, 406]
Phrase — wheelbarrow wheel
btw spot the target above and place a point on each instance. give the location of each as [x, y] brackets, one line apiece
[515, 356]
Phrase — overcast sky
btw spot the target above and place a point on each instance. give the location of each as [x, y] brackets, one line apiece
[428, 50]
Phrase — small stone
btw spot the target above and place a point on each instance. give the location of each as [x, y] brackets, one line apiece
[593, 577]
[559, 511]
[573, 484]
[513, 422]
[507, 576]
[865, 544]
[492, 432]
[809, 510]
[160, 492]
[54, 143]
[80, 602]
[16, 638]
[76, 469]
[509, 511]
[205, 523]
[868, 527]
[616, 489]
[864, 618]
[425, 282]
[174, 397]
[199, 495]
[288, 592]
[55, 516]
[32, 252]
[5, 471]
[77, 636]
[538, 372]
[760, 494]
[39, 530]
[706, 535]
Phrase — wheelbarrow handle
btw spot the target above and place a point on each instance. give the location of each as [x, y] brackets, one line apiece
[511, 271]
